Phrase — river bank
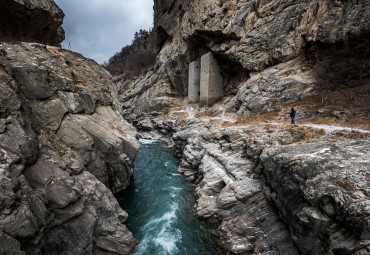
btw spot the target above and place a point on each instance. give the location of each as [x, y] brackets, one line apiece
[274, 189]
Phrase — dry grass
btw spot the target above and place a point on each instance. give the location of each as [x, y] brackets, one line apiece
[351, 135]
[258, 119]
[54, 51]
[80, 86]
[348, 186]
[120, 130]
[210, 112]
[345, 107]
[306, 133]
[178, 115]
[79, 82]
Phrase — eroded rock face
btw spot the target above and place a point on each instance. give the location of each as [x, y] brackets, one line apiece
[63, 143]
[275, 191]
[323, 189]
[31, 21]
[260, 33]
[153, 93]
[271, 53]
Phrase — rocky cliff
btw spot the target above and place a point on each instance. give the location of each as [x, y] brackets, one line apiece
[64, 146]
[31, 21]
[62, 142]
[272, 54]
[271, 187]
[280, 190]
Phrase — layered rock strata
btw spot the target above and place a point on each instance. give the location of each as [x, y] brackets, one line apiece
[277, 189]
[274, 189]
[272, 55]
[31, 21]
[63, 143]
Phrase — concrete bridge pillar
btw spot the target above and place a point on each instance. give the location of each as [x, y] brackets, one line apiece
[211, 81]
[194, 82]
[205, 81]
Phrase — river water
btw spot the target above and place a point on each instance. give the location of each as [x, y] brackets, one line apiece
[159, 203]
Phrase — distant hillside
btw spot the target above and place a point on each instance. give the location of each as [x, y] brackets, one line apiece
[133, 59]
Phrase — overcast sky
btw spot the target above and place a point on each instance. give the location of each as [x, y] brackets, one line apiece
[100, 28]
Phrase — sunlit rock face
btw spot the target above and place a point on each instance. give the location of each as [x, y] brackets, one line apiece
[63, 145]
[31, 21]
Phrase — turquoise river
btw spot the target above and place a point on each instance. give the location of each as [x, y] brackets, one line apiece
[160, 203]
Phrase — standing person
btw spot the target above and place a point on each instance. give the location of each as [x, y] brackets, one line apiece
[292, 116]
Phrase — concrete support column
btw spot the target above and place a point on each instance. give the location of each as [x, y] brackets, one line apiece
[211, 81]
[194, 82]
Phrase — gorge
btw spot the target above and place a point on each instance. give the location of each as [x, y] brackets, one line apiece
[225, 77]
[160, 207]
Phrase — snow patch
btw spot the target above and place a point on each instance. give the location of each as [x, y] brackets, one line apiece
[329, 129]
[319, 152]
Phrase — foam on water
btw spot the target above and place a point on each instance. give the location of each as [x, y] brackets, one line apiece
[167, 240]
[167, 217]
[159, 205]
[147, 141]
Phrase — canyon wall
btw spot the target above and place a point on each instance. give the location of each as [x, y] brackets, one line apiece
[64, 146]
[280, 190]
[272, 54]
[272, 188]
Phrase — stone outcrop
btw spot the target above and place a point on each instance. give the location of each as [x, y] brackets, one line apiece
[271, 53]
[31, 21]
[277, 189]
[63, 143]
[308, 198]
[273, 189]
[152, 93]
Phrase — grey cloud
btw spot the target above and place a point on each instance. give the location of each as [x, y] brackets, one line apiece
[100, 28]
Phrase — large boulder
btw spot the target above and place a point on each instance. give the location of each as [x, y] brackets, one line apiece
[31, 21]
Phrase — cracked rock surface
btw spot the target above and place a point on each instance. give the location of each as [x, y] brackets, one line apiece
[63, 145]
[275, 191]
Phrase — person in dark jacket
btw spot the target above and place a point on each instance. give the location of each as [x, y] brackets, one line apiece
[292, 115]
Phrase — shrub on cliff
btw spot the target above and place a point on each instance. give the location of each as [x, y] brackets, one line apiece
[135, 58]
